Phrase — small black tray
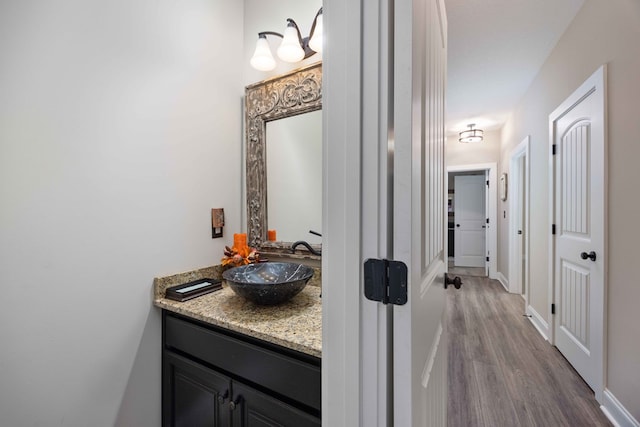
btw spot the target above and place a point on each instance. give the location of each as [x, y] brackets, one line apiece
[193, 289]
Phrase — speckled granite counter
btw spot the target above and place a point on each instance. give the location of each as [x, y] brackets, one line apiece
[296, 324]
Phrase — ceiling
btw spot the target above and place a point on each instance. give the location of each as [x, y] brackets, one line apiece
[496, 48]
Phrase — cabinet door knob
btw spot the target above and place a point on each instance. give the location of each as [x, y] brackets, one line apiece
[234, 403]
[223, 397]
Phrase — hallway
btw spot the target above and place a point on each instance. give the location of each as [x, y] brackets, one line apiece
[502, 372]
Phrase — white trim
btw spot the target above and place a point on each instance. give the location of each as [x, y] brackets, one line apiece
[616, 412]
[538, 321]
[342, 354]
[503, 281]
[522, 150]
[493, 210]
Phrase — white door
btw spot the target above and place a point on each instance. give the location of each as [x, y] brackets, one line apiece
[470, 221]
[519, 250]
[578, 132]
[383, 195]
[419, 335]
[487, 250]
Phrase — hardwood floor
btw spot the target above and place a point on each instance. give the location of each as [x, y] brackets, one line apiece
[466, 271]
[502, 372]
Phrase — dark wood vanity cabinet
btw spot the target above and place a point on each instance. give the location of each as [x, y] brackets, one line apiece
[214, 377]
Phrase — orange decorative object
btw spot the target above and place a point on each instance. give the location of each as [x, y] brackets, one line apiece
[271, 235]
[240, 240]
[238, 256]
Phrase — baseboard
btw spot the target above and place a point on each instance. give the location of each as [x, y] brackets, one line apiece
[503, 281]
[617, 414]
[538, 321]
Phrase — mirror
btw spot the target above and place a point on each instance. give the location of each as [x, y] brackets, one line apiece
[284, 158]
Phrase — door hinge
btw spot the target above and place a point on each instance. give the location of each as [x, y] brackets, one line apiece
[553, 309]
[487, 259]
[553, 229]
[385, 281]
[553, 149]
[487, 183]
[487, 220]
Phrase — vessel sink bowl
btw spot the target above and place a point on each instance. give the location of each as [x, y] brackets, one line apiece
[268, 283]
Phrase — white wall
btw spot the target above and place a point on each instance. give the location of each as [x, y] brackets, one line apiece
[473, 153]
[120, 128]
[602, 32]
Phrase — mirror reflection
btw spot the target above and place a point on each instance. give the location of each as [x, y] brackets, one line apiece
[294, 177]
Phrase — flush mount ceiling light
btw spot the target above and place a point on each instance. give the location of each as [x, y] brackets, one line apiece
[293, 48]
[471, 134]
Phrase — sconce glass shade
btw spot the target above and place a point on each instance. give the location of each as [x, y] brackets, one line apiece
[471, 135]
[262, 58]
[290, 49]
[316, 40]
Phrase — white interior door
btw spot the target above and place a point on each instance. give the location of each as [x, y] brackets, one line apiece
[577, 128]
[470, 221]
[487, 250]
[419, 334]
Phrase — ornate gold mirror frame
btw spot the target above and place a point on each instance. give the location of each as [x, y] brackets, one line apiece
[297, 92]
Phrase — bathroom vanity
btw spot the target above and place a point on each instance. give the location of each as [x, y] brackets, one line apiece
[227, 362]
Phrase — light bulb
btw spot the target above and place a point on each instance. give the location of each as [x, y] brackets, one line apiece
[290, 49]
[262, 58]
[316, 40]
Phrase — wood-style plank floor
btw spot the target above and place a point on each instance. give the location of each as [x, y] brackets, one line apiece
[466, 271]
[502, 372]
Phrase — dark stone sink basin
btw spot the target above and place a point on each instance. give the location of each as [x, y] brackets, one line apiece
[268, 283]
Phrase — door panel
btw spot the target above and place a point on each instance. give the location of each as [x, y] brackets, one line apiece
[574, 314]
[419, 336]
[191, 392]
[256, 409]
[470, 221]
[578, 132]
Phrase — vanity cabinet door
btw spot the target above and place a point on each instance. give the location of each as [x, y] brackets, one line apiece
[252, 408]
[192, 395]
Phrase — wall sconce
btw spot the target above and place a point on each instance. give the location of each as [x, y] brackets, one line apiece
[293, 48]
[471, 134]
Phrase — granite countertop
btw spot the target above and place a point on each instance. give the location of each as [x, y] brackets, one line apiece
[296, 324]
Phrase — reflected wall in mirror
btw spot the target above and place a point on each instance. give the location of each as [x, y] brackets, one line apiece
[294, 177]
[271, 106]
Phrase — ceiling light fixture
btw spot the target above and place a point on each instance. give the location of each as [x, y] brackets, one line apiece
[293, 48]
[471, 134]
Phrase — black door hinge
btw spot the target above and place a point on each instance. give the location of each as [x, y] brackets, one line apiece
[487, 183]
[487, 259]
[385, 281]
[487, 220]
[553, 149]
[553, 229]
[553, 309]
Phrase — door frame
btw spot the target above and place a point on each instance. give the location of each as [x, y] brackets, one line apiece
[522, 150]
[492, 230]
[342, 327]
[596, 82]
